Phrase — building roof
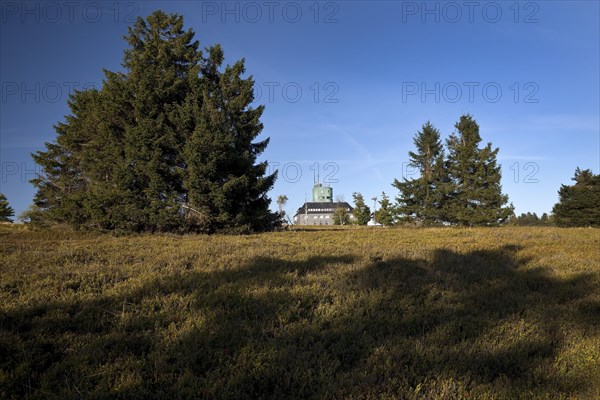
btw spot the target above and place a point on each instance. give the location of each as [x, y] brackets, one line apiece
[323, 208]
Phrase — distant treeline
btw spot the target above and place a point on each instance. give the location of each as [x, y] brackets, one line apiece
[531, 219]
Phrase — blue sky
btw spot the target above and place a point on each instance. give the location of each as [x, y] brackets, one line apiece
[346, 84]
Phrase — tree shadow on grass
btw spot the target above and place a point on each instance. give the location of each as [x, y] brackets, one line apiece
[141, 342]
[457, 323]
[448, 324]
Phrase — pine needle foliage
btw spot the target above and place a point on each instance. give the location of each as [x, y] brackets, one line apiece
[167, 145]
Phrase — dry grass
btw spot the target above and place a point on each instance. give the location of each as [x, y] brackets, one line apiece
[347, 313]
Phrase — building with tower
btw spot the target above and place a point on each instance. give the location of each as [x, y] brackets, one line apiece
[321, 209]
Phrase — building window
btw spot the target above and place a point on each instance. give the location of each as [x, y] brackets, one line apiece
[327, 216]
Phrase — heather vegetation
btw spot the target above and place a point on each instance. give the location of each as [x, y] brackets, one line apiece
[347, 312]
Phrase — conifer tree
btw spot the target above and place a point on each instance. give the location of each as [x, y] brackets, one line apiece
[421, 199]
[362, 212]
[545, 220]
[474, 192]
[167, 145]
[579, 204]
[62, 188]
[225, 184]
[6, 211]
[386, 213]
[162, 64]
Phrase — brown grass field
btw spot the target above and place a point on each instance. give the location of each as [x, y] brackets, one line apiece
[440, 313]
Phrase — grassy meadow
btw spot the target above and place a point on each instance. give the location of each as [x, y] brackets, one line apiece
[440, 313]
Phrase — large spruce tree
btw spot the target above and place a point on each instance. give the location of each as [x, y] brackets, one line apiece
[579, 204]
[474, 192]
[166, 145]
[421, 199]
[227, 189]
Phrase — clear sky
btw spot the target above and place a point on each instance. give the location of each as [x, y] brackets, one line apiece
[346, 84]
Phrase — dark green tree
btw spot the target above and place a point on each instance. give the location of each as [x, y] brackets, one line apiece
[545, 220]
[421, 199]
[6, 211]
[162, 64]
[115, 162]
[165, 146]
[33, 216]
[579, 204]
[474, 194]
[225, 184]
[525, 219]
[530, 219]
[362, 212]
[386, 213]
[62, 189]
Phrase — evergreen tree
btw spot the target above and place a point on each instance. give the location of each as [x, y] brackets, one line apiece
[386, 213]
[362, 212]
[474, 191]
[421, 199]
[167, 145]
[545, 220]
[579, 204]
[530, 219]
[6, 211]
[162, 65]
[113, 165]
[62, 188]
[224, 183]
[34, 216]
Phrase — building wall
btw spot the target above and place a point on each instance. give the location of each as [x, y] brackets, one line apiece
[316, 219]
[319, 213]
